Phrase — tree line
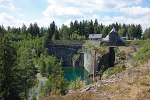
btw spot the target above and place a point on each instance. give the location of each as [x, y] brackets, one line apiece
[77, 30]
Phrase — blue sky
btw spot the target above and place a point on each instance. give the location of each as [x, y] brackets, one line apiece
[17, 12]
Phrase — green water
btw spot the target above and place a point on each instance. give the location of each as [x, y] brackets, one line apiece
[71, 73]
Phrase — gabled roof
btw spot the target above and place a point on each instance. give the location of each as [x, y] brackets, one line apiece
[118, 36]
[95, 35]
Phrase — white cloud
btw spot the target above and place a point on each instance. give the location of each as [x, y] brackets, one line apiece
[100, 5]
[7, 4]
[107, 18]
[135, 11]
[20, 15]
[144, 21]
[64, 11]
[8, 20]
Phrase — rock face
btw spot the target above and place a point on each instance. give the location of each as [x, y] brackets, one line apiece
[80, 62]
[89, 60]
[86, 58]
[65, 52]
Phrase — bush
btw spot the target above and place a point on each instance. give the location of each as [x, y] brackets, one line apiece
[102, 69]
[121, 55]
[123, 66]
[76, 84]
[80, 51]
[114, 70]
[75, 57]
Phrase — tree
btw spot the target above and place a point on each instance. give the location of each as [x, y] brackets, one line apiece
[104, 32]
[24, 29]
[91, 27]
[146, 34]
[58, 83]
[36, 29]
[27, 69]
[96, 23]
[42, 67]
[131, 31]
[138, 31]
[116, 26]
[2, 30]
[96, 27]
[56, 34]
[122, 32]
[8, 77]
[65, 33]
[76, 26]
[71, 27]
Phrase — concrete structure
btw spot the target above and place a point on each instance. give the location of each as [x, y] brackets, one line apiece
[113, 31]
[95, 37]
[114, 39]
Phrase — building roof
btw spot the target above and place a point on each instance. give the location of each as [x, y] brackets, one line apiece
[95, 35]
[118, 36]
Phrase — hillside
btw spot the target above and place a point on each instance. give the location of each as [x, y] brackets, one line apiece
[130, 83]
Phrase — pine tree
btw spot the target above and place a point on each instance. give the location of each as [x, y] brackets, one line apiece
[8, 78]
[96, 23]
[27, 69]
[138, 31]
[36, 29]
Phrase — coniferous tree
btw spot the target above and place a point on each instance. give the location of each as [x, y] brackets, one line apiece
[8, 78]
[91, 27]
[27, 69]
[96, 23]
[71, 27]
[138, 31]
[36, 29]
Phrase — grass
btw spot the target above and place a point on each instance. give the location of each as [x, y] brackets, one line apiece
[144, 52]
[74, 96]
[130, 83]
[114, 70]
[145, 81]
[103, 88]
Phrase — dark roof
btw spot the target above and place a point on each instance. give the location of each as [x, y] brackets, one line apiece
[118, 36]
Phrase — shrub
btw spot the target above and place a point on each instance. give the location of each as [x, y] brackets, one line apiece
[109, 72]
[123, 66]
[114, 70]
[75, 57]
[80, 51]
[115, 49]
[76, 84]
[102, 69]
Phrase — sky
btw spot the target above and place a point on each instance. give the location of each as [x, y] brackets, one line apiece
[16, 12]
